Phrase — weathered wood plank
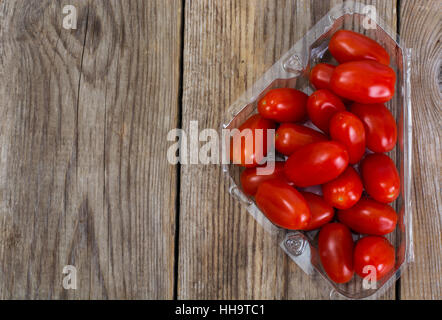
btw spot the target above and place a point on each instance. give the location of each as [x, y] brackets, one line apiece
[83, 142]
[223, 252]
[421, 30]
[39, 76]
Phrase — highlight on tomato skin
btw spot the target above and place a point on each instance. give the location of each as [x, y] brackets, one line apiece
[380, 177]
[369, 217]
[250, 179]
[374, 251]
[283, 205]
[346, 128]
[344, 191]
[246, 152]
[346, 45]
[322, 213]
[380, 126]
[290, 137]
[316, 163]
[335, 246]
[284, 105]
[320, 76]
[321, 106]
[365, 81]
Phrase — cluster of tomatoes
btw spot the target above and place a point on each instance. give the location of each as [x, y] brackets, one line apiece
[348, 108]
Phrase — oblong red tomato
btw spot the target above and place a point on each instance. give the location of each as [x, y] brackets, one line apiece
[346, 128]
[320, 75]
[250, 151]
[380, 126]
[283, 205]
[316, 163]
[380, 177]
[290, 137]
[320, 210]
[373, 252]
[364, 81]
[284, 105]
[346, 45]
[369, 217]
[250, 179]
[335, 245]
[344, 191]
[321, 106]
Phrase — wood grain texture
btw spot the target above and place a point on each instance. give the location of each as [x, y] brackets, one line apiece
[223, 252]
[83, 181]
[421, 30]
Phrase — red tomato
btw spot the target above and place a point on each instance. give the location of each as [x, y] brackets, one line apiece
[321, 106]
[374, 251]
[369, 217]
[283, 205]
[346, 128]
[380, 177]
[290, 137]
[320, 210]
[348, 46]
[335, 245]
[284, 105]
[320, 75]
[250, 179]
[316, 163]
[345, 191]
[380, 126]
[248, 152]
[364, 81]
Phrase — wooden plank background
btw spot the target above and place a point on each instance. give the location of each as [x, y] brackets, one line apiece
[83, 180]
[83, 173]
[421, 29]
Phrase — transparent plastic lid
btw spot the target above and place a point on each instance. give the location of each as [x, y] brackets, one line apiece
[292, 71]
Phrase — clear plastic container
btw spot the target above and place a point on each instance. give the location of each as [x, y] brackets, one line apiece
[292, 71]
